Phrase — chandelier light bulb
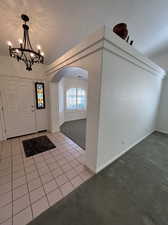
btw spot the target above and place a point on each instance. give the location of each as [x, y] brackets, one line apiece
[38, 47]
[17, 50]
[20, 41]
[42, 53]
[32, 55]
[9, 43]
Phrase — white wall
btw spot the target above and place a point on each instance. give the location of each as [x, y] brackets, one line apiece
[9, 67]
[162, 119]
[161, 60]
[74, 83]
[128, 106]
[123, 95]
[61, 101]
[54, 107]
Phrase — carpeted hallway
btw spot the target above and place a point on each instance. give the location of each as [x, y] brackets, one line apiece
[75, 130]
[132, 190]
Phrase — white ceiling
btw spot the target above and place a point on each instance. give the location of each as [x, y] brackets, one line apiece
[58, 25]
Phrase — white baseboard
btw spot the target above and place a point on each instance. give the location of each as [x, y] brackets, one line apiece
[123, 152]
[162, 131]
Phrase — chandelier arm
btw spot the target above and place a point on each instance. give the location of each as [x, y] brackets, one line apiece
[24, 38]
[25, 52]
[28, 41]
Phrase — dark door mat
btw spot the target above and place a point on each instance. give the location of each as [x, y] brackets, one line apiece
[37, 145]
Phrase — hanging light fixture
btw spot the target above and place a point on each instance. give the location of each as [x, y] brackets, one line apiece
[25, 52]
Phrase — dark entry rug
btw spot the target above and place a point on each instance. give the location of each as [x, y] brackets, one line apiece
[76, 131]
[37, 145]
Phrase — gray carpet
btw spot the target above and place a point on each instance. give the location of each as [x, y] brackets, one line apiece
[75, 130]
[131, 191]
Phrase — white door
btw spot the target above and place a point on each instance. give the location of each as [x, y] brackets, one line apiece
[19, 107]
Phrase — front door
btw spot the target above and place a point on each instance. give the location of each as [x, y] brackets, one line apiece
[19, 107]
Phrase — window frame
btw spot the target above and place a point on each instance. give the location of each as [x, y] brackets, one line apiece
[76, 100]
[42, 84]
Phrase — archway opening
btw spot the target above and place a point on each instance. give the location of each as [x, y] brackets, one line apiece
[72, 88]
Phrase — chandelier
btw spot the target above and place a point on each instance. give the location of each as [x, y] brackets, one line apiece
[25, 52]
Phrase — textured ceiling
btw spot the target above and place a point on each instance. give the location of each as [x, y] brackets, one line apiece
[58, 25]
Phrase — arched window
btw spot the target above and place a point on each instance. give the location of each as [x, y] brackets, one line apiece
[76, 99]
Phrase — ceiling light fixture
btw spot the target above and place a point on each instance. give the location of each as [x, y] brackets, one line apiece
[25, 52]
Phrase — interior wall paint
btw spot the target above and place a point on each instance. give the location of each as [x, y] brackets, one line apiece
[54, 107]
[162, 119]
[161, 60]
[61, 101]
[74, 83]
[9, 67]
[91, 63]
[121, 86]
[128, 107]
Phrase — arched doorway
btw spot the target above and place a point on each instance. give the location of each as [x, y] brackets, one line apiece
[72, 85]
[62, 68]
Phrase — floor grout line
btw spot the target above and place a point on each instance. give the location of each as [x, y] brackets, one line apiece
[41, 182]
[26, 178]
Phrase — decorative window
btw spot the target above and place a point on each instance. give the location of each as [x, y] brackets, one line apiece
[76, 99]
[40, 97]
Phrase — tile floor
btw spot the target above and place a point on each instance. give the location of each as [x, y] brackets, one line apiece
[29, 186]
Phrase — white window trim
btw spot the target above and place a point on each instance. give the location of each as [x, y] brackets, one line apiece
[76, 109]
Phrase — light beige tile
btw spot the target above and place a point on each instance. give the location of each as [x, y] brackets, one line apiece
[53, 166]
[76, 181]
[18, 174]
[33, 184]
[20, 191]
[79, 168]
[71, 174]
[8, 222]
[85, 175]
[20, 204]
[57, 172]
[5, 212]
[40, 206]
[30, 169]
[54, 196]
[32, 176]
[36, 194]
[66, 167]
[52, 185]
[46, 178]
[61, 180]
[19, 181]
[5, 199]
[43, 170]
[23, 218]
[5, 179]
[66, 188]
[5, 188]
